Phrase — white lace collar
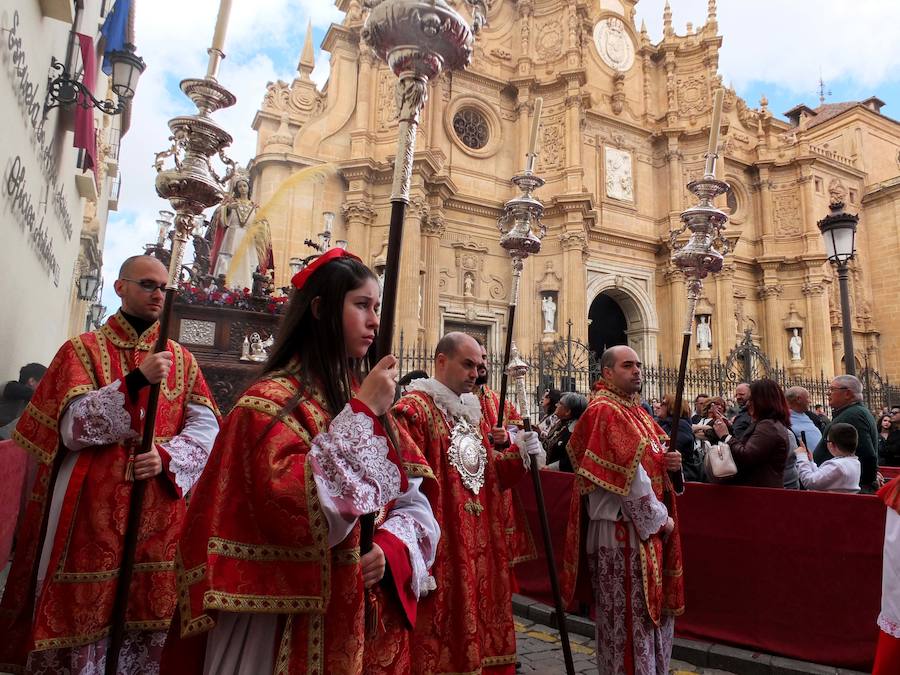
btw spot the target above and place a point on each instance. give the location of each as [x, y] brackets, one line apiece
[466, 405]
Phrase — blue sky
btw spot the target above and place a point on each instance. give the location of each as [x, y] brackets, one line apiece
[774, 47]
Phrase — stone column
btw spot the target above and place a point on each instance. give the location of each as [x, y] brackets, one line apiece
[359, 216]
[574, 169]
[573, 300]
[765, 197]
[817, 336]
[410, 268]
[726, 326]
[677, 291]
[433, 229]
[359, 146]
[769, 292]
[674, 157]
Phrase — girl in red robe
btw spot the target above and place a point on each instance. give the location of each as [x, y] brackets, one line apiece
[270, 575]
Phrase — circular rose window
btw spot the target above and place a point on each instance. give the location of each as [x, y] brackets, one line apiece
[471, 128]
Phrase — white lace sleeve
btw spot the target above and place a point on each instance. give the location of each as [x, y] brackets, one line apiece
[412, 521]
[190, 449]
[97, 418]
[351, 466]
[644, 510]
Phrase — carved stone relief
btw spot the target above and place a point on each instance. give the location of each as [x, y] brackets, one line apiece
[553, 147]
[619, 181]
[786, 214]
[614, 44]
[549, 39]
[387, 103]
[691, 93]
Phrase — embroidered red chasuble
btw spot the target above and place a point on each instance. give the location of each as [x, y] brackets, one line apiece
[519, 540]
[256, 541]
[613, 436]
[75, 604]
[465, 626]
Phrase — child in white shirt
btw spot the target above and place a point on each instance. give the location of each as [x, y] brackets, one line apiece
[839, 474]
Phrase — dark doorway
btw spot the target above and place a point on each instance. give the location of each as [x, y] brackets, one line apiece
[608, 324]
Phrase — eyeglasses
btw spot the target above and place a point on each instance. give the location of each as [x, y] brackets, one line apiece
[146, 285]
[837, 388]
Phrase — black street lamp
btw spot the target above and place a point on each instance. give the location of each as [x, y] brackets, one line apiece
[839, 230]
[88, 284]
[65, 90]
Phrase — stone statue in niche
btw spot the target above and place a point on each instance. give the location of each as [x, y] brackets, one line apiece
[469, 285]
[704, 334]
[795, 345]
[548, 306]
[619, 184]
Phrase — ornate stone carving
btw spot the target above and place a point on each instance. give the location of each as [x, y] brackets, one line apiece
[692, 98]
[786, 214]
[836, 191]
[569, 241]
[614, 44]
[194, 332]
[433, 225]
[358, 211]
[387, 102]
[769, 291]
[496, 289]
[690, 174]
[619, 182]
[553, 147]
[549, 39]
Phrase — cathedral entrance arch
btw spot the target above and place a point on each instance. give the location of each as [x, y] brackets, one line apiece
[622, 310]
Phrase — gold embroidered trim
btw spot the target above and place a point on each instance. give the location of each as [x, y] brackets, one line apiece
[36, 450]
[71, 641]
[105, 362]
[266, 407]
[40, 417]
[131, 337]
[350, 556]
[107, 575]
[418, 470]
[262, 604]
[241, 551]
[204, 401]
[82, 353]
[316, 639]
[317, 525]
[283, 660]
[506, 659]
[473, 508]
[192, 576]
[173, 394]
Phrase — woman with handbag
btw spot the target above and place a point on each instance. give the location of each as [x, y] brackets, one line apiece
[761, 455]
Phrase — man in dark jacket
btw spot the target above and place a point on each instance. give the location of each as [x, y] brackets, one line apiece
[845, 399]
[742, 420]
[16, 395]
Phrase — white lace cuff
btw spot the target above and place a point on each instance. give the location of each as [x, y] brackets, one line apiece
[187, 459]
[98, 418]
[888, 625]
[646, 513]
[407, 530]
[351, 465]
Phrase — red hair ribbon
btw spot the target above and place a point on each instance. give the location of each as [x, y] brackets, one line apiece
[303, 275]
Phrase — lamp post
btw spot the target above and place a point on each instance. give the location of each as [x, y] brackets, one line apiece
[839, 231]
[65, 89]
[88, 284]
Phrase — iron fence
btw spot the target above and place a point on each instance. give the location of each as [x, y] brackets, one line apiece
[568, 365]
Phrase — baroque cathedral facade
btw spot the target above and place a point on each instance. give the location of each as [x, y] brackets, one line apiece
[624, 128]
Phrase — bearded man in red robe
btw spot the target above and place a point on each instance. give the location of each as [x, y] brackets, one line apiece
[83, 425]
[466, 624]
[632, 542]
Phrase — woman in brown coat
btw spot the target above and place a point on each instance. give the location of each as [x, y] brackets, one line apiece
[760, 457]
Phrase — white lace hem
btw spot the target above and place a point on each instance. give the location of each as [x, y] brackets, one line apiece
[352, 466]
[407, 530]
[188, 458]
[647, 514]
[888, 625]
[100, 418]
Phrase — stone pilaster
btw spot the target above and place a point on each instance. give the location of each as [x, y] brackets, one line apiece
[433, 229]
[573, 303]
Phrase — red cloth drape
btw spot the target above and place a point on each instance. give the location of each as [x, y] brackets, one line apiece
[792, 573]
[85, 137]
[17, 465]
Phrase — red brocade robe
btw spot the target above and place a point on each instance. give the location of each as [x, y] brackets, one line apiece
[612, 438]
[466, 625]
[257, 542]
[75, 603]
[519, 540]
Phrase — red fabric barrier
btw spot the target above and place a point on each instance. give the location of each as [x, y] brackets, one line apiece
[889, 472]
[796, 574]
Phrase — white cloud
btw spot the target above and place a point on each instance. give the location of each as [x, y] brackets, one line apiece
[263, 43]
[788, 43]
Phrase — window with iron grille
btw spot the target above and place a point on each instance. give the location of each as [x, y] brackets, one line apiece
[471, 128]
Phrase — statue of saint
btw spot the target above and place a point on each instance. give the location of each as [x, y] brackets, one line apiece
[704, 334]
[468, 285]
[241, 243]
[549, 309]
[795, 345]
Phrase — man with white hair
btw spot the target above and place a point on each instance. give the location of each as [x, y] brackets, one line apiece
[801, 423]
[845, 399]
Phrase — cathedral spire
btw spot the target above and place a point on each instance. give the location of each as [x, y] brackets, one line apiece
[711, 11]
[667, 20]
[307, 58]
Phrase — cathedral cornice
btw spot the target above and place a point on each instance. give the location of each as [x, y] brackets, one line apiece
[630, 241]
[474, 206]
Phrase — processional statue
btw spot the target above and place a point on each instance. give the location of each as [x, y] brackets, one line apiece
[241, 243]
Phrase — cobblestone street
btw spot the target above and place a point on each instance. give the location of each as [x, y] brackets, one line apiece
[540, 651]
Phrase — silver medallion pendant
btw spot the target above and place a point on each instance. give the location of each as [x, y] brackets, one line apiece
[467, 454]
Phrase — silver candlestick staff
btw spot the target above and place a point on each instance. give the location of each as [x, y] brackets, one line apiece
[190, 186]
[521, 231]
[702, 254]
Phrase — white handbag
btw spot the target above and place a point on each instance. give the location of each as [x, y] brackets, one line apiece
[720, 462]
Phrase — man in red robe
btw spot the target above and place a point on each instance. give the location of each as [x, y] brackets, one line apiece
[466, 624]
[83, 425]
[519, 541]
[632, 541]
